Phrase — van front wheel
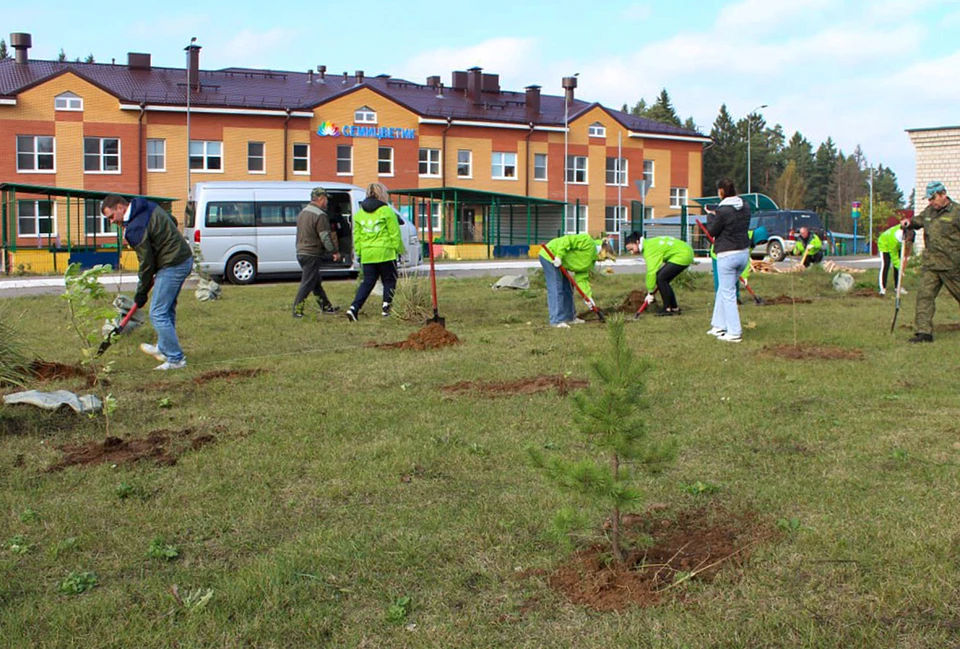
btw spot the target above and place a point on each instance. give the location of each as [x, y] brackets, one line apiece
[242, 269]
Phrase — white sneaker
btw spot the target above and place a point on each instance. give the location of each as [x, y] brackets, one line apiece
[168, 365]
[716, 331]
[883, 291]
[903, 291]
[152, 350]
[577, 321]
[728, 338]
[561, 325]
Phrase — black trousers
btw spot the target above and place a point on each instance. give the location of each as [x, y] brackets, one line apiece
[813, 259]
[310, 280]
[664, 276]
[386, 272]
[886, 263]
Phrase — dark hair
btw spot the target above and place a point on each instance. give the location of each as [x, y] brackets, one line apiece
[633, 237]
[727, 186]
[112, 200]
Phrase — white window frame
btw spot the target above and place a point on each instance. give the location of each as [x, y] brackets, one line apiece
[678, 194]
[624, 218]
[500, 163]
[569, 224]
[262, 157]
[36, 219]
[596, 130]
[468, 163]
[303, 158]
[205, 156]
[573, 171]
[104, 227]
[429, 167]
[365, 115]
[101, 156]
[648, 174]
[537, 168]
[68, 101]
[621, 166]
[36, 153]
[162, 155]
[348, 159]
[435, 212]
[389, 160]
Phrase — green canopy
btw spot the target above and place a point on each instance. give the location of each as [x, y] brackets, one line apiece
[758, 202]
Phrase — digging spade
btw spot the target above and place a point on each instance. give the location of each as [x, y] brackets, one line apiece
[756, 298]
[903, 263]
[433, 273]
[105, 345]
[643, 307]
[593, 305]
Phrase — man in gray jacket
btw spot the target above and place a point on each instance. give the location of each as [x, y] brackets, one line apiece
[316, 243]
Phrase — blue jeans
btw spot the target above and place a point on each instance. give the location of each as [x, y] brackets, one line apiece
[726, 315]
[163, 307]
[559, 294]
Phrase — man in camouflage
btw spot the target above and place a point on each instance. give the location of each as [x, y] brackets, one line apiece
[941, 256]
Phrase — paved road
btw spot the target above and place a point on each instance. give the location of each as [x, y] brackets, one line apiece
[21, 286]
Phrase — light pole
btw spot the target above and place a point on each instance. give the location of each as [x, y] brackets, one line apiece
[870, 244]
[568, 83]
[749, 186]
[189, 51]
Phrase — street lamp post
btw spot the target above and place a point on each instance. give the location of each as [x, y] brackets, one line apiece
[189, 50]
[749, 185]
[568, 83]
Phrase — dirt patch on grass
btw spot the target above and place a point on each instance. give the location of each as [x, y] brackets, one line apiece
[630, 305]
[433, 336]
[804, 352]
[562, 384]
[785, 299]
[865, 292]
[226, 375]
[694, 546]
[163, 447]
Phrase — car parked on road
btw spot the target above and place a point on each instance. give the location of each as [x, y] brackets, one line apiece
[782, 227]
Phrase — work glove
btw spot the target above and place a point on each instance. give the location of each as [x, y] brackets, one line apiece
[590, 303]
[649, 299]
[557, 262]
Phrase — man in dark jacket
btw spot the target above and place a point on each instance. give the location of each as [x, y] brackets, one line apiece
[315, 244]
[165, 262]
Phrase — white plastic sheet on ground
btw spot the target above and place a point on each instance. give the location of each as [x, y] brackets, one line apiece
[513, 281]
[207, 289]
[56, 399]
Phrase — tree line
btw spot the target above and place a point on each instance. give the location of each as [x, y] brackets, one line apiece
[790, 171]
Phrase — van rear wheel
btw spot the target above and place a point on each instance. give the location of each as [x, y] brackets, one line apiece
[775, 250]
[242, 269]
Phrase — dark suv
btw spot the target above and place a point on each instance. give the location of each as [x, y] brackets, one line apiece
[782, 227]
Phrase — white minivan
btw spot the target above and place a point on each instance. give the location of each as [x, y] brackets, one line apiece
[246, 229]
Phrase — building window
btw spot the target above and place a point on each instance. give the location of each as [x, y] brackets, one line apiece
[611, 219]
[68, 101]
[678, 196]
[206, 155]
[539, 166]
[504, 166]
[430, 163]
[577, 169]
[385, 161]
[35, 153]
[464, 163]
[344, 160]
[648, 172]
[36, 218]
[301, 158]
[101, 155]
[434, 218]
[256, 158]
[94, 222]
[617, 171]
[365, 115]
[596, 130]
[574, 220]
[156, 155]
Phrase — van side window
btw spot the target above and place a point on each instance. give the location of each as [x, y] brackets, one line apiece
[279, 213]
[230, 214]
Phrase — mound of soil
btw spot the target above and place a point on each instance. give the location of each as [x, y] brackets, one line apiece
[433, 336]
[785, 299]
[227, 375]
[692, 547]
[630, 305]
[161, 446]
[804, 352]
[562, 384]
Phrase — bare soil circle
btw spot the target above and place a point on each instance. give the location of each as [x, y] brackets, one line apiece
[562, 384]
[163, 447]
[785, 299]
[805, 352]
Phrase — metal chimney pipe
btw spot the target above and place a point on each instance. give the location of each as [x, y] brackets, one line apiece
[359, 76]
[21, 43]
[569, 84]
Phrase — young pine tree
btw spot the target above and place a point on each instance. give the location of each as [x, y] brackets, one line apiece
[611, 415]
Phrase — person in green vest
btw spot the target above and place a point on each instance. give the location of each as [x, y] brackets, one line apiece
[578, 254]
[809, 243]
[377, 244]
[665, 258]
[888, 244]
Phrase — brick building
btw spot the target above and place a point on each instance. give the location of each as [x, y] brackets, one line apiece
[938, 158]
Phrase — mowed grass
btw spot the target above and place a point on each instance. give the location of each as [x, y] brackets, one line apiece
[342, 479]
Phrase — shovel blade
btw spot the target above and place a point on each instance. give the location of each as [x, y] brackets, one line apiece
[437, 320]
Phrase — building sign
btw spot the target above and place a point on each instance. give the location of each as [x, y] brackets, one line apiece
[329, 129]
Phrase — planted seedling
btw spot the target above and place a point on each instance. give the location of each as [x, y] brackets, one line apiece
[164, 402]
[192, 601]
[29, 516]
[397, 611]
[19, 544]
[160, 550]
[699, 488]
[78, 582]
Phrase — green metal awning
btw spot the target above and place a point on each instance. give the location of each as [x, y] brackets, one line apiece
[72, 193]
[757, 202]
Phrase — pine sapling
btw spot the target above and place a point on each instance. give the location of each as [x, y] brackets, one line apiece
[611, 415]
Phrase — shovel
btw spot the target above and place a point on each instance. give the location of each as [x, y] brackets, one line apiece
[643, 307]
[757, 299]
[433, 272]
[588, 300]
[105, 345]
[903, 264]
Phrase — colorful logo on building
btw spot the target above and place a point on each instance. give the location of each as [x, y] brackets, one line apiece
[328, 129]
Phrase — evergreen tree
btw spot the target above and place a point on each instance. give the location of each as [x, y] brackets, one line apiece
[800, 152]
[4, 54]
[885, 187]
[689, 124]
[62, 56]
[847, 184]
[640, 108]
[719, 159]
[662, 110]
[818, 183]
[790, 189]
[89, 58]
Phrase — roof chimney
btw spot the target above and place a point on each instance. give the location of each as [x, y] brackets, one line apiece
[21, 43]
[193, 65]
[440, 91]
[533, 102]
[475, 85]
[359, 76]
[433, 82]
[491, 83]
[344, 82]
[137, 61]
[458, 80]
[309, 77]
[569, 83]
[322, 70]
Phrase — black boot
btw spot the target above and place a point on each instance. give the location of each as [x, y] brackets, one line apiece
[921, 338]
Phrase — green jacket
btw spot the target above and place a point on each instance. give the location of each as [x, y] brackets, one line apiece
[376, 234]
[887, 242]
[815, 245]
[154, 236]
[660, 250]
[578, 252]
[941, 237]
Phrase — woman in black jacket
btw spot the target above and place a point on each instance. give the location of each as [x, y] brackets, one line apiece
[729, 226]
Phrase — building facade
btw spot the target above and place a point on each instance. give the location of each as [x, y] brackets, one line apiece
[938, 158]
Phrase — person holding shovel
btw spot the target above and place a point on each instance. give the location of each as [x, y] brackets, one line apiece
[729, 228]
[810, 246]
[578, 254]
[666, 258]
[888, 244]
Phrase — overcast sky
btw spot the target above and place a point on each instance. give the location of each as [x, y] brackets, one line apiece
[860, 71]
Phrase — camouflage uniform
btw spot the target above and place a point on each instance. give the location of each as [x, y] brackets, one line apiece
[941, 260]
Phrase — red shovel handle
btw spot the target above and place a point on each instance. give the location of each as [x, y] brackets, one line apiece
[566, 273]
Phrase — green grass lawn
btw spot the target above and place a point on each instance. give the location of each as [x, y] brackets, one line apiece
[347, 501]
